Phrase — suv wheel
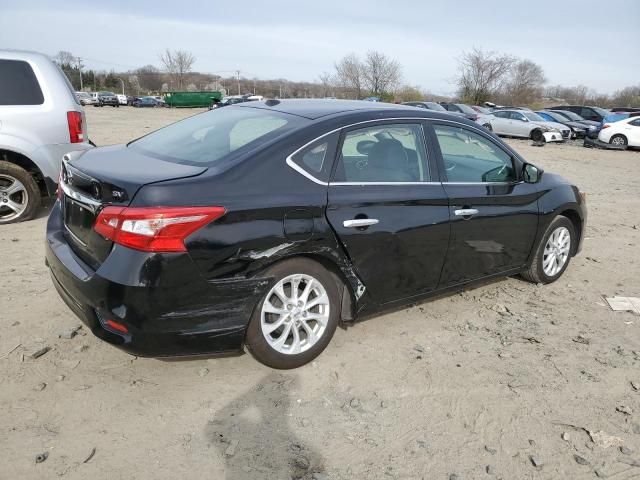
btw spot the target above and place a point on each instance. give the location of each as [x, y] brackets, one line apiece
[295, 320]
[19, 194]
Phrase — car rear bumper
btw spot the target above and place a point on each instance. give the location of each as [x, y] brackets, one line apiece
[199, 317]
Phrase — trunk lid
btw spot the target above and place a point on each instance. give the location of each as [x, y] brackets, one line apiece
[106, 176]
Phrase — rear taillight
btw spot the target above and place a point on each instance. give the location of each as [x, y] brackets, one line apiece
[74, 120]
[606, 125]
[154, 229]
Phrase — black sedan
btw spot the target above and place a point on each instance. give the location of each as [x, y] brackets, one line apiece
[107, 98]
[266, 224]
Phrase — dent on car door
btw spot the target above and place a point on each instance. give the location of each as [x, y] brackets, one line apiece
[389, 214]
[494, 215]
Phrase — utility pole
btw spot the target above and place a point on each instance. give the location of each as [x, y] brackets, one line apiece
[80, 71]
[122, 82]
[238, 78]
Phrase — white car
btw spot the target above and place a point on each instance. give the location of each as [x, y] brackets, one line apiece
[122, 99]
[623, 133]
[525, 124]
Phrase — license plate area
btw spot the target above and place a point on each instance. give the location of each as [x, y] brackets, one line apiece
[78, 220]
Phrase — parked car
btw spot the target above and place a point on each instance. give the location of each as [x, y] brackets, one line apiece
[436, 107]
[592, 127]
[625, 110]
[84, 98]
[482, 110]
[122, 99]
[587, 112]
[466, 110]
[41, 119]
[107, 98]
[232, 100]
[145, 102]
[526, 124]
[174, 243]
[578, 129]
[623, 133]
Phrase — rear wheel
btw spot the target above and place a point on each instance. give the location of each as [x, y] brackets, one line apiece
[295, 320]
[618, 141]
[553, 253]
[19, 194]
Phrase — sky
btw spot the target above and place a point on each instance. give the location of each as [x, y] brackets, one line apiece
[588, 42]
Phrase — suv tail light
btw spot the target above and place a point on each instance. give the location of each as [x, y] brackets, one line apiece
[154, 229]
[74, 120]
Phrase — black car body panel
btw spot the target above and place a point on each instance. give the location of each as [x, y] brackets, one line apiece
[201, 301]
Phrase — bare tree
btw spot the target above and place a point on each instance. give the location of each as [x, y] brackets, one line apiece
[177, 63]
[326, 80]
[381, 73]
[65, 58]
[627, 97]
[480, 74]
[350, 74]
[525, 83]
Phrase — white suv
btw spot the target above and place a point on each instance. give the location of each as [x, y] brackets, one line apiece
[41, 119]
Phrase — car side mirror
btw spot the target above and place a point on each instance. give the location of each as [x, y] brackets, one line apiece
[531, 173]
[524, 119]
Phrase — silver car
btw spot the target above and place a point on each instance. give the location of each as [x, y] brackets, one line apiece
[526, 124]
[41, 119]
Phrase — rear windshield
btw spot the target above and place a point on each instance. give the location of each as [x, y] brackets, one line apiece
[436, 106]
[209, 137]
[18, 84]
[465, 109]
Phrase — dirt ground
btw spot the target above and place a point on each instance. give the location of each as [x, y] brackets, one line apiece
[507, 380]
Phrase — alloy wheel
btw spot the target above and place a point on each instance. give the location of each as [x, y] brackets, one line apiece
[556, 251]
[13, 198]
[619, 141]
[295, 314]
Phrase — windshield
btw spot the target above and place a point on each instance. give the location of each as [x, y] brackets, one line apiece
[534, 117]
[602, 111]
[436, 106]
[209, 137]
[555, 116]
[571, 115]
[466, 109]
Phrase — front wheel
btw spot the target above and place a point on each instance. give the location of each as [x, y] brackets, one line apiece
[297, 317]
[553, 253]
[618, 141]
[537, 136]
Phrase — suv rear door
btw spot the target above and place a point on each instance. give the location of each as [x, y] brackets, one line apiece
[388, 208]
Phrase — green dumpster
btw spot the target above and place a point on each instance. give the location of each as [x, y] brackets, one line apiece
[191, 99]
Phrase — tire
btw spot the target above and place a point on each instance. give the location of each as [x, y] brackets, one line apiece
[28, 197]
[536, 271]
[488, 127]
[327, 314]
[619, 140]
[537, 136]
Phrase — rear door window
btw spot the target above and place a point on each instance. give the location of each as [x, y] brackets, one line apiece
[18, 84]
[389, 153]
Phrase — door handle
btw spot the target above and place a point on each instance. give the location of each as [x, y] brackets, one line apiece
[466, 212]
[360, 222]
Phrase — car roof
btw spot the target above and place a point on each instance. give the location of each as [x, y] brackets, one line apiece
[10, 54]
[317, 108]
